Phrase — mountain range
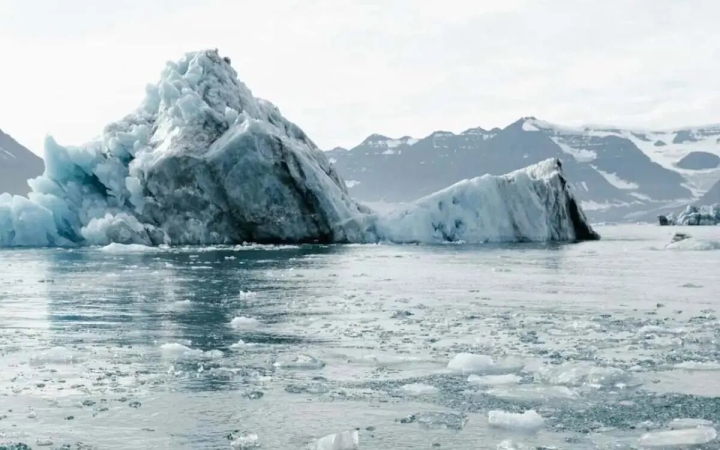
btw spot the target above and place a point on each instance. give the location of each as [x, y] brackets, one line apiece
[17, 165]
[618, 174]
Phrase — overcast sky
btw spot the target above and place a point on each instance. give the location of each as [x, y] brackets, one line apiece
[343, 69]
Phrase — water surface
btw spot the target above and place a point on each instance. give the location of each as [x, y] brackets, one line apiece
[191, 348]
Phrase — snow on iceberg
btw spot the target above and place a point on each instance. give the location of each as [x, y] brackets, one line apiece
[204, 162]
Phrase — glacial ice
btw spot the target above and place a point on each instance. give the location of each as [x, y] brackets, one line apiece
[494, 380]
[678, 438]
[528, 421]
[466, 363]
[347, 440]
[687, 423]
[203, 162]
[694, 215]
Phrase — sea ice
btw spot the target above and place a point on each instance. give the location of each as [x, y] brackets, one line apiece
[300, 361]
[466, 363]
[682, 424]
[532, 393]
[203, 162]
[347, 440]
[585, 374]
[678, 438]
[441, 420]
[175, 350]
[494, 380]
[419, 389]
[527, 421]
[244, 441]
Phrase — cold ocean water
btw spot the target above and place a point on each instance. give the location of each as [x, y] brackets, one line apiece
[204, 348]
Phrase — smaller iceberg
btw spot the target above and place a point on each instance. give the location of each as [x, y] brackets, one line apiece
[694, 216]
[347, 440]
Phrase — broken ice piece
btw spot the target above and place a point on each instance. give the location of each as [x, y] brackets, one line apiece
[434, 420]
[470, 363]
[347, 440]
[678, 438]
[528, 421]
[683, 424]
[244, 441]
[300, 361]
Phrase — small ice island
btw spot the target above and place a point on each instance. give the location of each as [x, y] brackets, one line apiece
[204, 162]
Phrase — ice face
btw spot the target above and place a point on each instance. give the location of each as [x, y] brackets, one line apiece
[204, 162]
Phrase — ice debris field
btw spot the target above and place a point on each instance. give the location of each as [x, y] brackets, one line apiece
[202, 162]
[608, 344]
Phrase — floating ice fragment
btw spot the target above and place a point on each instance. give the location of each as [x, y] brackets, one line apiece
[493, 380]
[244, 441]
[419, 389]
[175, 350]
[678, 438]
[695, 365]
[682, 424]
[310, 388]
[300, 361]
[120, 249]
[442, 420]
[531, 393]
[244, 322]
[527, 421]
[585, 374]
[347, 440]
[470, 363]
[43, 442]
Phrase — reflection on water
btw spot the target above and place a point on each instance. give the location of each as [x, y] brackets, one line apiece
[191, 348]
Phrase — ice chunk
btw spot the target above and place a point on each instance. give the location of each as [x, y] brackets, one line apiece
[442, 420]
[120, 249]
[698, 365]
[300, 361]
[242, 322]
[494, 380]
[176, 350]
[347, 440]
[470, 363]
[585, 374]
[203, 162]
[527, 421]
[419, 389]
[678, 438]
[682, 424]
[533, 393]
[309, 388]
[244, 441]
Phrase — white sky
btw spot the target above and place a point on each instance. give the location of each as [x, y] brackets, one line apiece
[343, 69]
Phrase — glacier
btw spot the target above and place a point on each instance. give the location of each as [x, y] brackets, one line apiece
[203, 162]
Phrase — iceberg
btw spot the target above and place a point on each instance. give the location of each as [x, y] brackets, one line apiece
[204, 162]
[694, 215]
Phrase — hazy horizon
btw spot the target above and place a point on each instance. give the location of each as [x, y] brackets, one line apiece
[345, 70]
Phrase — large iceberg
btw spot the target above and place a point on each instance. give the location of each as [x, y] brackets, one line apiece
[694, 215]
[202, 161]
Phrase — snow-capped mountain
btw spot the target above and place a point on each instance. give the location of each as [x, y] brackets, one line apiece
[614, 172]
[17, 165]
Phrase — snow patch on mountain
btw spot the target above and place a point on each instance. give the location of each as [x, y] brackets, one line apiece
[616, 180]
